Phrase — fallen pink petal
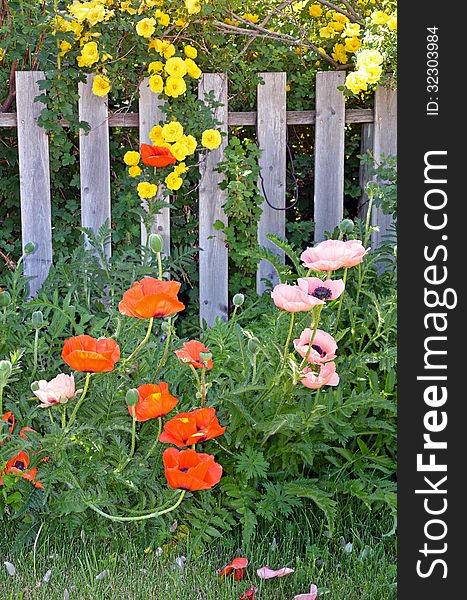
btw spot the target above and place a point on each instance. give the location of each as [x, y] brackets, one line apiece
[311, 596]
[268, 573]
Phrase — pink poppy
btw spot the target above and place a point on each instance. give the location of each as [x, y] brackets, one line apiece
[249, 594]
[323, 290]
[334, 254]
[311, 596]
[292, 299]
[237, 566]
[327, 376]
[268, 573]
[322, 350]
[56, 391]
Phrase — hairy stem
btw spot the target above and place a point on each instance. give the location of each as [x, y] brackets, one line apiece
[156, 513]
[141, 344]
[80, 401]
[340, 303]
[153, 447]
[289, 336]
[163, 359]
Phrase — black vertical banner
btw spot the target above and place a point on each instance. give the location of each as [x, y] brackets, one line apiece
[432, 264]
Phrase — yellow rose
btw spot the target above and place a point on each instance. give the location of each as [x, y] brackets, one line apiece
[180, 168]
[96, 15]
[179, 150]
[134, 171]
[193, 6]
[336, 25]
[181, 22]
[146, 189]
[101, 85]
[145, 28]
[192, 68]
[125, 6]
[173, 181]
[392, 22]
[326, 32]
[156, 84]
[351, 30]
[379, 17]
[168, 50]
[172, 132]
[356, 82]
[155, 135]
[175, 66]
[339, 54]
[79, 11]
[89, 55]
[315, 10]
[352, 44]
[175, 86]
[369, 58]
[155, 66]
[211, 139]
[190, 143]
[190, 51]
[163, 18]
[373, 73]
[131, 158]
[337, 16]
[63, 45]
[251, 17]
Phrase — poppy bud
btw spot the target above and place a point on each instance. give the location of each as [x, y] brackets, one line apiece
[238, 299]
[30, 248]
[347, 226]
[156, 243]
[5, 371]
[253, 345]
[5, 299]
[205, 356]
[34, 386]
[37, 319]
[132, 397]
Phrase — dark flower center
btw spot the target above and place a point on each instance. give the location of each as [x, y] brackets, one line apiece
[319, 350]
[322, 293]
[10, 421]
[184, 470]
[19, 464]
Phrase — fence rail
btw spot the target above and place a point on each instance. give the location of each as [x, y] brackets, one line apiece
[270, 119]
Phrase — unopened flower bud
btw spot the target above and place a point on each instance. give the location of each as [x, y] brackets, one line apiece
[30, 248]
[156, 243]
[5, 371]
[347, 226]
[37, 319]
[34, 386]
[253, 345]
[132, 397]
[205, 356]
[238, 299]
[5, 299]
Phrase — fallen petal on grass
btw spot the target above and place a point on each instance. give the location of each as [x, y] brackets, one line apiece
[103, 575]
[10, 567]
[311, 596]
[268, 573]
[47, 576]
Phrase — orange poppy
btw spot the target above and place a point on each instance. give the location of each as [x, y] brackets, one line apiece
[188, 470]
[156, 156]
[84, 353]
[151, 298]
[154, 401]
[19, 464]
[24, 430]
[9, 418]
[237, 566]
[192, 427]
[190, 353]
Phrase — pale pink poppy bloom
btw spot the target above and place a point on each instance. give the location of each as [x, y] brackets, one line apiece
[334, 254]
[323, 348]
[311, 596]
[323, 290]
[327, 376]
[268, 573]
[292, 299]
[56, 391]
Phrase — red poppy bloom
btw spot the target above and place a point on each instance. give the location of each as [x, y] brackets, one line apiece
[188, 470]
[19, 464]
[154, 401]
[237, 566]
[190, 353]
[192, 427]
[84, 353]
[156, 156]
[151, 298]
[9, 418]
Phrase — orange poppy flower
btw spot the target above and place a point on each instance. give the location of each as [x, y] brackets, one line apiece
[84, 353]
[156, 156]
[192, 427]
[151, 298]
[19, 464]
[9, 418]
[24, 430]
[188, 470]
[190, 353]
[237, 566]
[154, 401]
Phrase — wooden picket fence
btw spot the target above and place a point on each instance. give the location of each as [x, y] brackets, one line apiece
[271, 120]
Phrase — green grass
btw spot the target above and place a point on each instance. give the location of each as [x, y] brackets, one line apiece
[367, 573]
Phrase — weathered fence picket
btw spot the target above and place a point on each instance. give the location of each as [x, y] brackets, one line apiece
[271, 119]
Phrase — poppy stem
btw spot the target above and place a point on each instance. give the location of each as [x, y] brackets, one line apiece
[163, 359]
[203, 386]
[159, 264]
[289, 336]
[133, 443]
[316, 316]
[36, 343]
[340, 303]
[153, 447]
[198, 382]
[156, 513]
[141, 344]
[80, 401]
[63, 416]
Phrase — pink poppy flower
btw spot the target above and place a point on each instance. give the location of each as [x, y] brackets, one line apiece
[311, 596]
[237, 566]
[334, 254]
[327, 376]
[292, 299]
[268, 573]
[249, 594]
[56, 391]
[323, 290]
[322, 350]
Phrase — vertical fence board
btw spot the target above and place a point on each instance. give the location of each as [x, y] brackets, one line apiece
[385, 142]
[272, 139]
[34, 179]
[366, 143]
[213, 257]
[94, 159]
[149, 115]
[329, 152]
